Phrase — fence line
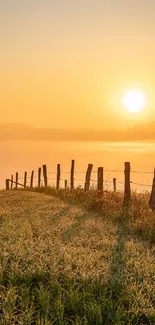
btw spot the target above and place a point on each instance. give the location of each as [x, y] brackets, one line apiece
[106, 170]
[42, 179]
[82, 180]
[93, 180]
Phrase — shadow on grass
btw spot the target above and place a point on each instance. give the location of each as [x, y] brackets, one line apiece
[63, 299]
[110, 205]
[75, 228]
[60, 299]
[61, 214]
[117, 291]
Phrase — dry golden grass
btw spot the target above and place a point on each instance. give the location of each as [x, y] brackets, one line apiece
[84, 248]
[39, 231]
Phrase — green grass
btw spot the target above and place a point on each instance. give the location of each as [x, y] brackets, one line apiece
[72, 257]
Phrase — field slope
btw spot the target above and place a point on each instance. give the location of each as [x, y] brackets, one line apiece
[61, 263]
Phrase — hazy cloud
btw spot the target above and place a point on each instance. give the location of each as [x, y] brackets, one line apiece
[28, 132]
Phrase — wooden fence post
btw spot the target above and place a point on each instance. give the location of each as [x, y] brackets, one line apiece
[152, 197]
[45, 174]
[127, 189]
[39, 176]
[100, 179]
[114, 184]
[88, 176]
[58, 177]
[31, 181]
[16, 185]
[25, 179]
[65, 184]
[11, 182]
[7, 182]
[72, 174]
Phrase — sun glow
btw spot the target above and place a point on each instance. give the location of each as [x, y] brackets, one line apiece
[134, 100]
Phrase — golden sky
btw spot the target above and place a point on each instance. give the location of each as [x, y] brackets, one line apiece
[65, 63]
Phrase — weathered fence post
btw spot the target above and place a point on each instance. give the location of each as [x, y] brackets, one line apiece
[65, 184]
[72, 174]
[127, 189]
[88, 176]
[45, 174]
[100, 179]
[7, 182]
[11, 182]
[39, 176]
[58, 177]
[31, 181]
[16, 185]
[114, 184]
[25, 179]
[152, 197]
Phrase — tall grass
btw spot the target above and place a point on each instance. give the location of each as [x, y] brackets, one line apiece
[138, 217]
[72, 257]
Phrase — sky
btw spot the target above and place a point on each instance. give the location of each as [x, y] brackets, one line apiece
[65, 64]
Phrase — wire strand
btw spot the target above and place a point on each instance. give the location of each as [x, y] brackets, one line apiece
[114, 170]
[138, 172]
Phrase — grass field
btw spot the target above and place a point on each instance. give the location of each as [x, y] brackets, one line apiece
[69, 257]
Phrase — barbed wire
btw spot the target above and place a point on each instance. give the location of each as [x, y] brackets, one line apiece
[105, 181]
[75, 172]
[92, 179]
[81, 180]
[95, 181]
[132, 171]
[114, 170]
[141, 184]
[138, 172]
[94, 171]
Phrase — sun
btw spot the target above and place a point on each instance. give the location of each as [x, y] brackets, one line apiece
[134, 100]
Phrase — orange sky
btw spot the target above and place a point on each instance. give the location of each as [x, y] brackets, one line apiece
[64, 64]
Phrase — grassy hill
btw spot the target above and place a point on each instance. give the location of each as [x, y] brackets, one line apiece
[76, 258]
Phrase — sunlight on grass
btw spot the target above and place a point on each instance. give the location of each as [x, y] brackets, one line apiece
[72, 257]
